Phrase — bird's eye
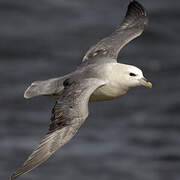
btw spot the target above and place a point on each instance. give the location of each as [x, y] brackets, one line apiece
[132, 74]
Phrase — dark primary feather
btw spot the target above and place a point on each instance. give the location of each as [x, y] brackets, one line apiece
[68, 114]
[133, 25]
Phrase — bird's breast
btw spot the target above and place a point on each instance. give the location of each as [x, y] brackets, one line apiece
[114, 86]
[107, 92]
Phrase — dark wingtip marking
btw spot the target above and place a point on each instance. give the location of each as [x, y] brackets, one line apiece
[13, 176]
[137, 8]
[136, 13]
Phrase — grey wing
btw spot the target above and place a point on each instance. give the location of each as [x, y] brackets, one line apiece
[133, 25]
[68, 114]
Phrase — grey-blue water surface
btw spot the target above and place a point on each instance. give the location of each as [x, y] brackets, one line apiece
[136, 137]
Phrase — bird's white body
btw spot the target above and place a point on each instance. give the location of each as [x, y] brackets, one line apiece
[113, 87]
[117, 79]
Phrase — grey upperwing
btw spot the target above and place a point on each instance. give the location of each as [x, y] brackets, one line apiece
[68, 114]
[108, 48]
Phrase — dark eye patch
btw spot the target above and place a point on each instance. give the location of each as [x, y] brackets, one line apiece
[132, 74]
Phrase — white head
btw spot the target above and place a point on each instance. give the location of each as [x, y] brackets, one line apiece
[132, 76]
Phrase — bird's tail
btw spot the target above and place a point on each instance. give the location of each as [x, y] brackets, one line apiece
[50, 87]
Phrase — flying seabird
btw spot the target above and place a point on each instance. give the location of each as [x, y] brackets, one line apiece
[99, 77]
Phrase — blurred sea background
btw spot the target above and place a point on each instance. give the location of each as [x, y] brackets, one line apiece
[136, 137]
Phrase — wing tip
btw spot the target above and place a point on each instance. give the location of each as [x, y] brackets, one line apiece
[136, 11]
[13, 176]
[16, 174]
[137, 7]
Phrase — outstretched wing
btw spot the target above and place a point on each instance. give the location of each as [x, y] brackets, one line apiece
[133, 25]
[69, 112]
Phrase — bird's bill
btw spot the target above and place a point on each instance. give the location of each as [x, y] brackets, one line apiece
[145, 82]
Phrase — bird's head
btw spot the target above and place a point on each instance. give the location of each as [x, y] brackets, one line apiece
[134, 77]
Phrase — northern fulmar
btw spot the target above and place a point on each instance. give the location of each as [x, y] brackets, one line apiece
[99, 77]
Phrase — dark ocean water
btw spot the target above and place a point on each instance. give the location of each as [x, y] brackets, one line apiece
[136, 137]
